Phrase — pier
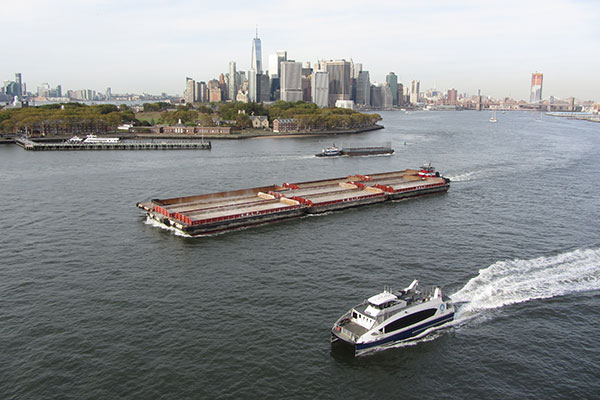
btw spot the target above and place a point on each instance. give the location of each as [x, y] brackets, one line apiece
[126, 144]
[216, 212]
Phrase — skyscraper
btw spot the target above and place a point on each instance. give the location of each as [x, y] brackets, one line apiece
[452, 97]
[264, 88]
[339, 80]
[19, 81]
[256, 63]
[392, 80]
[233, 82]
[275, 63]
[320, 88]
[190, 91]
[291, 81]
[386, 96]
[536, 87]
[252, 86]
[363, 89]
[415, 87]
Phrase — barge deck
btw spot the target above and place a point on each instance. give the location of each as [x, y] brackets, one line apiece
[217, 212]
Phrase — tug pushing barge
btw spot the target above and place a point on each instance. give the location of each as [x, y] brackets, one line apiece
[216, 212]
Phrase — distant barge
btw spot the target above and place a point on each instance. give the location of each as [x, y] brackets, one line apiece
[115, 144]
[216, 212]
[334, 151]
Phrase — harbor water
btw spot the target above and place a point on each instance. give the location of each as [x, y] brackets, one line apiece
[97, 303]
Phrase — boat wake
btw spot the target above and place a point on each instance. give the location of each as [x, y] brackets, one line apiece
[156, 224]
[518, 281]
[462, 177]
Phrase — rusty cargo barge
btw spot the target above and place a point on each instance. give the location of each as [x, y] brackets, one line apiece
[217, 212]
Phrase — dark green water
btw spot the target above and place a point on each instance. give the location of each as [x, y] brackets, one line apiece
[97, 304]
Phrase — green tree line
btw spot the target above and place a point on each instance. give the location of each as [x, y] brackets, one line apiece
[57, 119]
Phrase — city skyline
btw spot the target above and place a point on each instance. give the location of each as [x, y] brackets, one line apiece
[462, 44]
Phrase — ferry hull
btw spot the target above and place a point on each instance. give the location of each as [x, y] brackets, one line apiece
[403, 336]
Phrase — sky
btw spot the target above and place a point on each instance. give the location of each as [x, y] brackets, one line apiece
[152, 46]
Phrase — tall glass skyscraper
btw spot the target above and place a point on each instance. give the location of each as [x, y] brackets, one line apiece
[392, 81]
[256, 64]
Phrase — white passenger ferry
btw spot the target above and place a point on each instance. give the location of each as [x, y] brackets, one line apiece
[392, 317]
[93, 139]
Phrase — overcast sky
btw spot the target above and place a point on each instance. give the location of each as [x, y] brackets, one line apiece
[151, 46]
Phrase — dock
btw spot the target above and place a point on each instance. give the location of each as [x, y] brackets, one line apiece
[126, 144]
[207, 214]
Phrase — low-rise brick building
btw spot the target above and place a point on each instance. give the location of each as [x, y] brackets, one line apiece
[285, 125]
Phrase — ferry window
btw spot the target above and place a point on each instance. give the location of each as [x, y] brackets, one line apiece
[410, 320]
[354, 315]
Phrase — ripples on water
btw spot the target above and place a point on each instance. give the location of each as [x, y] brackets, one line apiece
[96, 303]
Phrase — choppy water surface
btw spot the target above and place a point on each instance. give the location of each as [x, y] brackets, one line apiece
[95, 303]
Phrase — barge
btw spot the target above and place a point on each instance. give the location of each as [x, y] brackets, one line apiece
[217, 212]
[94, 143]
[334, 151]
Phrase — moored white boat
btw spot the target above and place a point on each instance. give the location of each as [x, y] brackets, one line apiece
[93, 139]
[392, 317]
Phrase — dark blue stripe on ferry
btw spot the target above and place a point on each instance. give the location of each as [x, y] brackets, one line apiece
[406, 334]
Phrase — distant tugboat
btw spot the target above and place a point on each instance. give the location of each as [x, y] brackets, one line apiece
[334, 151]
[330, 152]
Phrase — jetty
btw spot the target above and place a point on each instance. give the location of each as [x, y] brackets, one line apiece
[216, 212]
[126, 144]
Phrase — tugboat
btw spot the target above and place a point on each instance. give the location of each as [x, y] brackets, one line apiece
[330, 152]
[392, 317]
[427, 171]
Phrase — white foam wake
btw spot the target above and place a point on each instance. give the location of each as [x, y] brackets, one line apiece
[463, 177]
[156, 224]
[518, 281]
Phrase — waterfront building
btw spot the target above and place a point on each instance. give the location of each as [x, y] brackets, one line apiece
[43, 90]
[415, 86]
[392, 80]
[376, 97]
[349, 104]
[320, 88]
[108, 92]
[256, 62]
[363, 89]
[291, 81]
[339, 80]
[260, 121]
[536, 87]
[232, 85]
[285, 125]
[452, 97]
